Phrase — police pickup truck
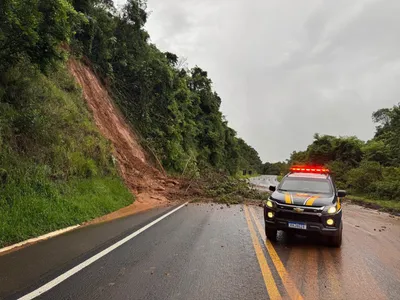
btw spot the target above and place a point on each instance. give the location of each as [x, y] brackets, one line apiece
[306, 201]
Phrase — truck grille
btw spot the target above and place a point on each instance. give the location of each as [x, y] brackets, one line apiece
[286, 215]
[307, 209]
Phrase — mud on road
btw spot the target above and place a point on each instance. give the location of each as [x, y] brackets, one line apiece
[367, 266]
[208, 251]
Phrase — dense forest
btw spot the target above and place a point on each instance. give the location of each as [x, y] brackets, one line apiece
[54, 163]
[369, 168]
[175, 110]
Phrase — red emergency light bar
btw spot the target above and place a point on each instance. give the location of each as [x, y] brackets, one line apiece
[309, 169]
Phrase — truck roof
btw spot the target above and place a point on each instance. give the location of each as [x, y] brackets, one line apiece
[308, 175]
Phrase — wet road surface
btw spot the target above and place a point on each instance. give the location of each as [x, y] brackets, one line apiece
[209, 251]
[263, 182]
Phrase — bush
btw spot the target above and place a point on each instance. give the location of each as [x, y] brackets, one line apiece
[361, 179]
[339, 171]
[228, 189]
[55, 167]
[45, 121]
[34, 207]
[376, 181]
[386, 189]
[389, 186]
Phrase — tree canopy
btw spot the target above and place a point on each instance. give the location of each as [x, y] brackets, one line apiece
[371, 167]
[176, 110]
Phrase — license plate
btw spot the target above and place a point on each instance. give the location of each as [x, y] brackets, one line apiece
[297, 225]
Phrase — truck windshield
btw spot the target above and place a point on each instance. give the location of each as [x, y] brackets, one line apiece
[307, 185]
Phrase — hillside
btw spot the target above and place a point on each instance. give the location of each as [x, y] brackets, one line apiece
[175, 109]
[56, 168]
[67, 141]
[144, 180]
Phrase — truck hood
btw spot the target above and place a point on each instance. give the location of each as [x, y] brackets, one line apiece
[298, 198]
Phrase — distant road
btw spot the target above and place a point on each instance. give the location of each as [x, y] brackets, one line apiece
[264, 181]
[208, 251]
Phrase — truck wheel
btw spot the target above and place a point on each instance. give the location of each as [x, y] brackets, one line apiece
[271, 233]
[336, 241]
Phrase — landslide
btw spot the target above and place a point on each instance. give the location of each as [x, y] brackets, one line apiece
[151, 187]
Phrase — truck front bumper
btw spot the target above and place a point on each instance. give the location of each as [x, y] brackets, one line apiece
[316, 223]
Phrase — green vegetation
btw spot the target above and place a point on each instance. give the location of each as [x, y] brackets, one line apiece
[370, 169]
[247, 176]
[175, 109]
[39, 207]
[55, 167]
[227, 189]
[278, 168]
[384, 205]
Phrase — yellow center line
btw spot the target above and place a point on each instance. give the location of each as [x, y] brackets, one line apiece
[286, 279]
[266, 272]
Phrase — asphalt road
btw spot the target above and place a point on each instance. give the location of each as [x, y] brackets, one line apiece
[264, 181]
[209, 251]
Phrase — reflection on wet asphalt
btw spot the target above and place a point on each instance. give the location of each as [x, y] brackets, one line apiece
[210, 251]
[365, 267]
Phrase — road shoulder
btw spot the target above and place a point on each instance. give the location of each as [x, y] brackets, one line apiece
[34, 265]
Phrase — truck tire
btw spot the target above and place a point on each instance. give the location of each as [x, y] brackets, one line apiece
[336, 241]
[271, 233]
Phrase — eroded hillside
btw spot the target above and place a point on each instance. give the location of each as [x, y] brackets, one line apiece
[148, 183]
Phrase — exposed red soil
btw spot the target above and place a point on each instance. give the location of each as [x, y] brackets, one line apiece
[151, 187]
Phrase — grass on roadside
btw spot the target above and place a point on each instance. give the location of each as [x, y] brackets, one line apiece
[35, 209]
[56, 169]
[247, 176]
[384, 205]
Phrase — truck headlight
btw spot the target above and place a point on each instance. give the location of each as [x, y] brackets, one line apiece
[332, 210]
[270, 204]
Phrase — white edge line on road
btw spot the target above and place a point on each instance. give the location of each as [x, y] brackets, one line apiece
[39, 238]
[56, 281]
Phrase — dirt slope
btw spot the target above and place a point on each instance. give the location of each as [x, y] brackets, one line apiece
[145, 181]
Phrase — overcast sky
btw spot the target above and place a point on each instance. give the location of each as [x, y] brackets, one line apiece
[288, 69]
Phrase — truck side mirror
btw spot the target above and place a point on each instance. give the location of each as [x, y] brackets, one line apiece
[272, 188]
[341, 193]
